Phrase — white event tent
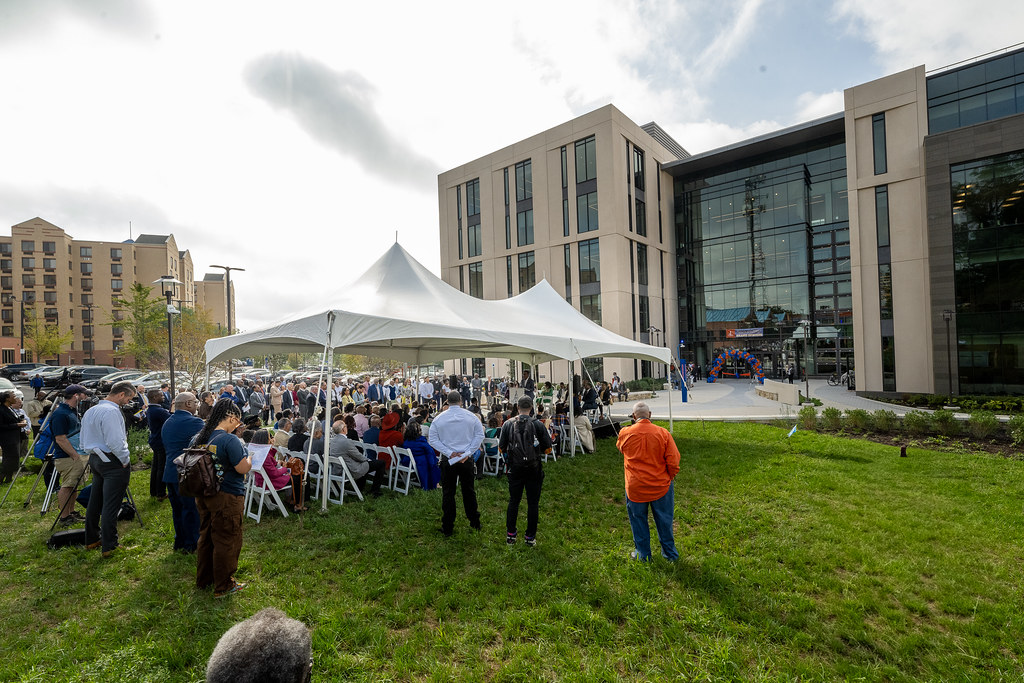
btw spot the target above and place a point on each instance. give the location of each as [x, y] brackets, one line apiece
[398, 309]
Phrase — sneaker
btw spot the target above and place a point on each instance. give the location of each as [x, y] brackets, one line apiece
[510, 539]
[65, 522]
[78, 517]
[235, 587]
[636, 556]
[531, 541]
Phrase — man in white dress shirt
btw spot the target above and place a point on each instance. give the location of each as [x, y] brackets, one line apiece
[105, 439]
[456, 435]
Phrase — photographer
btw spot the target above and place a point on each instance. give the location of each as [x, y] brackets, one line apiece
[65, 426]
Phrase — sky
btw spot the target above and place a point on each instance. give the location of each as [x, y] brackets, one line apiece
[296, 140]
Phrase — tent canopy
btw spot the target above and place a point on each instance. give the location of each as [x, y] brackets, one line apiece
[398, 309]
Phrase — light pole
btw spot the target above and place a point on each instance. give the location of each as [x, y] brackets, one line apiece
[92, 324]
[807, 380]
[167, 284]
[227, 297]
[947, 315]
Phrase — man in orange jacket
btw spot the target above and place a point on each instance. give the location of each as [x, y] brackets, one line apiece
[651, 461]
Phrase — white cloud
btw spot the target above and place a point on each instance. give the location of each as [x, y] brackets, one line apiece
[936, 33]
[812, 106]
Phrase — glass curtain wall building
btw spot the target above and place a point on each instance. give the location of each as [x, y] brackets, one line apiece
[764, 252]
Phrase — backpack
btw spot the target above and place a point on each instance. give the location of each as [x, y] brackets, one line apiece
[199, 473]
[521, 449]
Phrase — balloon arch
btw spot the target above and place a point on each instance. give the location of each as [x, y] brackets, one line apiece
[754, 363]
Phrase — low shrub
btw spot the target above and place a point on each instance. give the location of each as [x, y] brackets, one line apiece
[645, 384]
[1015, 427]
[982, 424]
[945, 423]
[885, 421]
[808, 418]
[917, 423]
[832, 419]
[859, 420]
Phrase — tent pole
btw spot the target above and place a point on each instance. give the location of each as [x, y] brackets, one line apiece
[572, 413]
[671, 424]
[327, 435]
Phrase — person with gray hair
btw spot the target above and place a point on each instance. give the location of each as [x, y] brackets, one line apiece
[176, 434]
[651, 462]
[268, 647]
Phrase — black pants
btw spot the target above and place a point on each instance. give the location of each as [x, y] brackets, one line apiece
[157, 487]
[378, 468]
[109, 482]
[451, 475]
[529, 479]
[11, 453]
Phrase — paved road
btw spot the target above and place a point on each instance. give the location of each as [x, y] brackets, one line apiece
[737, 400]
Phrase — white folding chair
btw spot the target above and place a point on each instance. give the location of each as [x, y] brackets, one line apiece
[318, 475]
[262, 492]
[338, 479]
[404, 473]
[565, 436]
[390, 473]
[492, 458]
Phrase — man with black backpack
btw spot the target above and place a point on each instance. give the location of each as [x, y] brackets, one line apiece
[524, 440]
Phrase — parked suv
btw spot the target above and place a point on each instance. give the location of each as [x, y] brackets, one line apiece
[82, 373]
[10, 371]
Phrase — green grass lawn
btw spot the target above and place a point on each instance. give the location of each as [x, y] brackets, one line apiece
[813, 558]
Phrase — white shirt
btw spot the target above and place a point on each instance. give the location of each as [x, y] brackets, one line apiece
[456, 430]
[426, 390]
[103, 432]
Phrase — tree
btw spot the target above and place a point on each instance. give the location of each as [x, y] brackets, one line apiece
[44, 339]
[144, 319]
[192, 329]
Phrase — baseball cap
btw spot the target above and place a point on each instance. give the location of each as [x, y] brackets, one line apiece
[73, 389]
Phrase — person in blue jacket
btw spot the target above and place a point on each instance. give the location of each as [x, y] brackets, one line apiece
[426, 459]
[177, 433]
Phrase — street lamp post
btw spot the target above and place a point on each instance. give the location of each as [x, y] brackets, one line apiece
[167, 284]
[807, 380]
[92, 325]
[947, 315]
[227, 297]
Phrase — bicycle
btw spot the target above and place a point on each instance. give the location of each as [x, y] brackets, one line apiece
[834, 381]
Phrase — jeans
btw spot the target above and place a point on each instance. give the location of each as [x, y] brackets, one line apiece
[451, 476]
[662, 509]
[109, 482]
[185, 516]
[530, 480]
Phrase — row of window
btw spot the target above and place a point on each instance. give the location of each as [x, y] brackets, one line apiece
[29, 246]
[29, 262]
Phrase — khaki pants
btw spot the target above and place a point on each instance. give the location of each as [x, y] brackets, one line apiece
[220, 540]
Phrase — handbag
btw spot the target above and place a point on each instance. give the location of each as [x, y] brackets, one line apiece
[199, 473]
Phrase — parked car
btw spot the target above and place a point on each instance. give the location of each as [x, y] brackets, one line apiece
[51, 377]
[82, 373]
[12, 371]
[104, 383]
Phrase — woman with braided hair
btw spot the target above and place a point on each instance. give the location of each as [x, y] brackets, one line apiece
[220, 515]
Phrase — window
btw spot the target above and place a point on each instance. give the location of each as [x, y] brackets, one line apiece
[87, 316]
[115, 254]
[882, 215]
[567, 254]
[7, 315]
[527, 271]
[118, 344]
[118, 315]
[117, 285]
[508, 231]
[50, 263]
[645, 313]
[590, 306]
[48, 297]
[524, 180]
[524, 221]
[116, 268]
[86, 268]
[586, 160]
[590, 262]
[49, 280]
[474, 240]
[28, 246]
[565, 167]
[586, 212]
[49, 247]
[86, 299]
[458, 203]
[641, 265]
[460, 241]
[641, 218]
[885, 291]
[473, 197]
[638, 168]
[85, 252]
[28, 279]
[7, 282]
[5, 248]
[117, 331]
[86, 330]
[462, 279]
[508, 274]
[87, 283]
[8, 331]
[115, 301]
[888, 363]
[878, 141]
[565, 217]
[476, 279]
[505, 177]
[50, 313]
[28, 262]
[30, 297]
[6, 265]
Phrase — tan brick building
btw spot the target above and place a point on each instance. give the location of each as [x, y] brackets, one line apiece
[77, 284]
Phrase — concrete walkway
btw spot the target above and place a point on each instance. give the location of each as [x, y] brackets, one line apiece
[735, 400]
